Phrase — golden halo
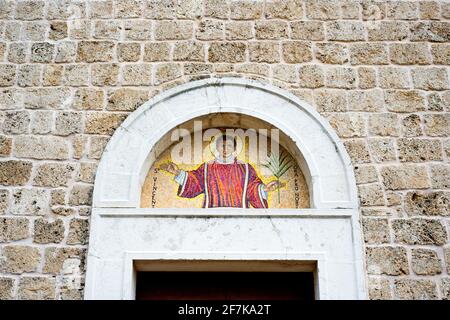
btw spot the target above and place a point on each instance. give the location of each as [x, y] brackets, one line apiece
[213, 149]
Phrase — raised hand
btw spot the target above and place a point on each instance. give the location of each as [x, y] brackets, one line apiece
[273, 185]
[170, 167]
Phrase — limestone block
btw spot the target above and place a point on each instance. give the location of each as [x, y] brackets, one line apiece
[434, 31]
[412, 289]
[174, 30]
[7, 75]
[388, 31]
[19, 259]
[16, 122]
[189, 51]
[383, 124]
[341, 77]
[217, 9]
[95, 51]
[105, 74]
[42, 52]
[67, 123]
[30, 10]
[404, 100]
[89, 99]
[41, 147]
[311, 76]
[48, 232]
[271, 30]
[410, 53]
[364, 100]
[156, 51]
[330, 100]
[238, 30]
[357, 150]
[368, 53]
[379, 289]
[56, 259]
[36, 288]
[440, 176]
[331, 53]
[41, 122]
[294, 52]
[246, 9]
[365, 174]
[419, 231]
[382, 150]
[128, 51]
[53, 174]
[167, 72]
[408, 176]
[29, 201]
[15, 172]
[80, 194]
[428, 203]
[375, 231]
[13, 229]
[283, 9]
[322, 10]
[78, 232]
[425, 262]
[348, 125]
[432, 78]
[437, 124]
[419, 150]
[387, 260]
[345, 31]
[6, 288]
[371, 195]
[394, 78]
[209, 29]
[137, 75]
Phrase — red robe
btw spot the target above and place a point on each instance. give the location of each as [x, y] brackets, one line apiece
[224, 185]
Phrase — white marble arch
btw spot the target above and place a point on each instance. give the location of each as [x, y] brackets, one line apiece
[120, 229]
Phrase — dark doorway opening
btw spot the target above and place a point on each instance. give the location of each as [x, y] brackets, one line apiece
[225, 286]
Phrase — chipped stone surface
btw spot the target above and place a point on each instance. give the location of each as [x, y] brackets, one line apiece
[387, 260]
[14, 172]
[48, 232]
[419, 231]
[428, 203]
[405, 177]
[425, 262]
[41, 147]
[27, 201]
[12, 229]
[18, 259]
[6, 288]
[53, 174]
[36, 288]
[379, 289]
[411, 289]
[78, 232]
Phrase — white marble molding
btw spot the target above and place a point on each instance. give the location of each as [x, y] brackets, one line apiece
[123, 237]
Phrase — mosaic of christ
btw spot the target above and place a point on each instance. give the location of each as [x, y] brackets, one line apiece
[226, 178]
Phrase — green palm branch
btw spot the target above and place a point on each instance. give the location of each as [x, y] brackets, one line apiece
[278, 165]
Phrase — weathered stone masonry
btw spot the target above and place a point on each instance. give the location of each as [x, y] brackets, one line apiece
[71, 71]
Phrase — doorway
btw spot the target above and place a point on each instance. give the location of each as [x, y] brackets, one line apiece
[225, 280]
[225, 286]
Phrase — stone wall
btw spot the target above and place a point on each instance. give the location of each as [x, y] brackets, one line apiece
[71, 71]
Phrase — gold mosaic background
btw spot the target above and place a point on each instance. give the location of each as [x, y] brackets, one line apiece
[160, 189]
